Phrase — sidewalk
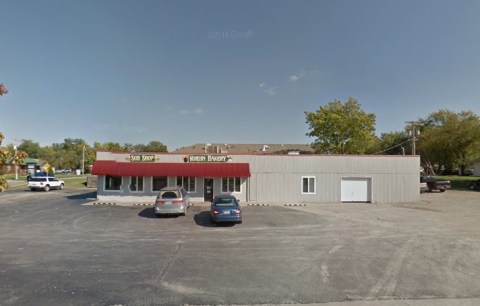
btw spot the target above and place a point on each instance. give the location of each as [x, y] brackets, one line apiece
[13, 183]
[420, 302]
[135, 204]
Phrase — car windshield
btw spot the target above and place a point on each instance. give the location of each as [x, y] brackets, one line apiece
[225, 202]
[170, 195]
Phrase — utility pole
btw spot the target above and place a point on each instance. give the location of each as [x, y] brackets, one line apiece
[414, 134]
[83, 160]
[14, 160]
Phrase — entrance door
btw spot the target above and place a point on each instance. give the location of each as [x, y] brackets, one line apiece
[208, 189]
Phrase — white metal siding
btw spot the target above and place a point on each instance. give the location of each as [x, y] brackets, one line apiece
[277, 178]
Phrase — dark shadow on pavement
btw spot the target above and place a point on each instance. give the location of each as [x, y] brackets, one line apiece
[150, 214]
[203, 219]
[83, 196]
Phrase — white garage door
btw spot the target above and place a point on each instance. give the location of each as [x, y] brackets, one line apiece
[356, 189]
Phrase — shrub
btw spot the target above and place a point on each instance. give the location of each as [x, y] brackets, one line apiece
[3, 184]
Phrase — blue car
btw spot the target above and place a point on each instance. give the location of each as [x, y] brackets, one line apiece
[225, 208]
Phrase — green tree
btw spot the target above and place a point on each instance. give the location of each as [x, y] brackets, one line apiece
[8, 154]
[449, 140]
[108, 146]
[48, 153]
[33, 149]
[152, 146]
[341, 128]
[393, 143]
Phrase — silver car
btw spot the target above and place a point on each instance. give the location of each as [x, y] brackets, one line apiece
[172, 201]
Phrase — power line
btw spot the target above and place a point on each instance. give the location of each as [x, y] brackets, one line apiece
[398, 145]
[414, 134]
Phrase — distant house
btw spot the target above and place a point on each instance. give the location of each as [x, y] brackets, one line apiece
[29, 165]
[216, 148]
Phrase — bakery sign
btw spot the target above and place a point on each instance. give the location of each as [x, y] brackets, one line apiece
[142, 158]
[207, 158]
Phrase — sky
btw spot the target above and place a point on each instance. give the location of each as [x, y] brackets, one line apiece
[187, 72]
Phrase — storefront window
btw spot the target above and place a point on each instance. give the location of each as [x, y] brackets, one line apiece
[113, 182]
[308, 184]
[231, 184]
[136, 183]
[159, 182]
[187, 182]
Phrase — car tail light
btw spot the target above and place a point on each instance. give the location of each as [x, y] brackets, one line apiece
[159, 202]
[237, 211]
[216, 212]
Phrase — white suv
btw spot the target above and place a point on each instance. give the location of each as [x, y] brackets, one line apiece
[45, 182]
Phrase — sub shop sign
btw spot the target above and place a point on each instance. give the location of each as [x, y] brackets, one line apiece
[142, 158]
[206, 158]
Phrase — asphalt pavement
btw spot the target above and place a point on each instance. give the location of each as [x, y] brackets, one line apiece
[56, 248]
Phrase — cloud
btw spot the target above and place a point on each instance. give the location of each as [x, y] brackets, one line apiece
[297, 76]
[294, 77]
[196, 111]
[271, 91]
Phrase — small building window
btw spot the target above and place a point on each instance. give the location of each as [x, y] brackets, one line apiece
[136, 183]
[113, 182]
[158, 182]
[187, 182]
[231, 184]
[308, 185]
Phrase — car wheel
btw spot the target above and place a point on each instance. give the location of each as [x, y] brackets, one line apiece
[47, 188]
[442, 190]
[158, 215]
[471, 187]
[240, 222]
[61, 186]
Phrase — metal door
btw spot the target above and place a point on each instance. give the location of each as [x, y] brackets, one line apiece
[356, 189]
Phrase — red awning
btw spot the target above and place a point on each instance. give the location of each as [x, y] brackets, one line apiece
[104, 167]
[107, 167]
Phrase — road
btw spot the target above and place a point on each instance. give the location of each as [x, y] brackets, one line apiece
[58, 249]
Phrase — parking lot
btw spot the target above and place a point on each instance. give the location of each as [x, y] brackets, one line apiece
[58, 249]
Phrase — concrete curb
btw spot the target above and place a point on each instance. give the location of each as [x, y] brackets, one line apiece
[104, 204]
[194, 204]
[399, 302]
